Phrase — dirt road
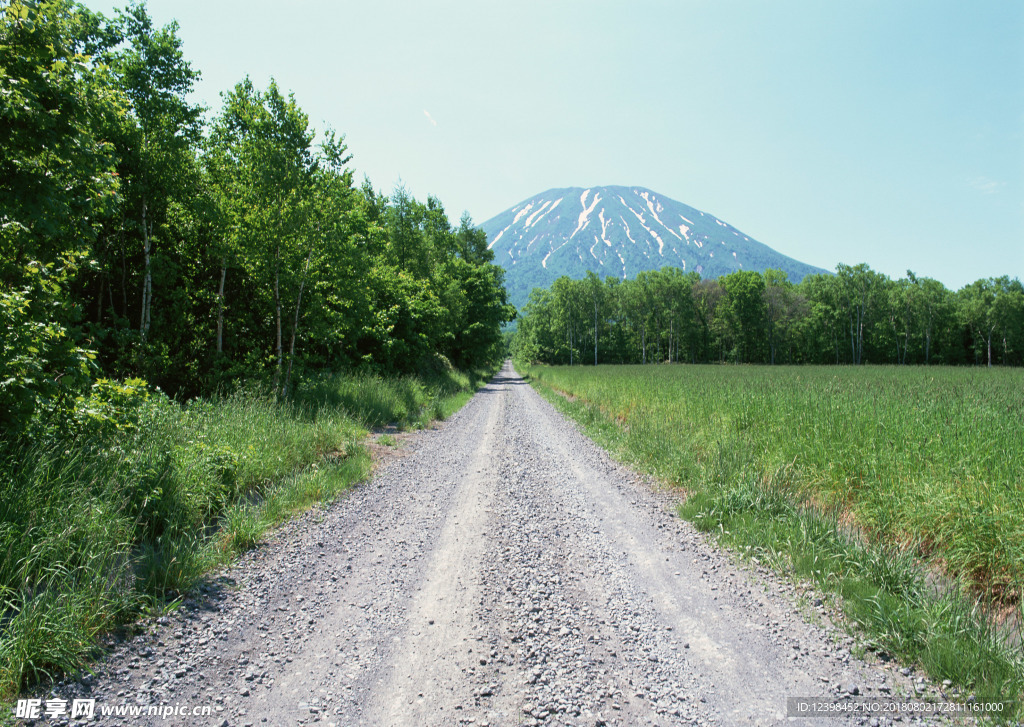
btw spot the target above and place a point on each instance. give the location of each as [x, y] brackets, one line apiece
[497, 570]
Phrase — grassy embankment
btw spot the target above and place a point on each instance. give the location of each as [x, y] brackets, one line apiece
[137, 500]
[851, 478]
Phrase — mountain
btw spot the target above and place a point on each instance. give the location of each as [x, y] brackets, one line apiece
[619, 231]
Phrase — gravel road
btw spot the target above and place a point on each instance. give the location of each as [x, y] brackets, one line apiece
[499, 569]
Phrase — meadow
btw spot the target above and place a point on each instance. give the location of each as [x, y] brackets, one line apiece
[125, 509]
[898, 489]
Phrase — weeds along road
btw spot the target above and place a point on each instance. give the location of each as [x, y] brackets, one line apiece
[497, 570]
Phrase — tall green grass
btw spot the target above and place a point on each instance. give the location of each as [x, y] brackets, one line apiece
[141, 496]
[851, 477]
[409, 401]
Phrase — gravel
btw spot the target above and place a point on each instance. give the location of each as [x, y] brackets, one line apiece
[498, 569]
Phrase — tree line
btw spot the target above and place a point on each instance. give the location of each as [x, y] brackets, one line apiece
[140, 238]
[855, 316]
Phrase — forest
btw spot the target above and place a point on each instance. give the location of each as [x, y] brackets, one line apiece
[856, 316]
[145, 237]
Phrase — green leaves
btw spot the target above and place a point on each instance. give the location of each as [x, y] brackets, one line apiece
[856, 316]
[58, 171]
[137, 247]
[41, 366]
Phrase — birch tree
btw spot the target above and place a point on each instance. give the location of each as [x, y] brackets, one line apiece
[163, 130]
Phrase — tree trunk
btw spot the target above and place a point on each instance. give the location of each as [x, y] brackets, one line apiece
[110, 294]
[124, 284]
[147, 282]
[295, 324]
[99, 303]
[853, 341]
[860, 335]
[928, 338]
[277, 316]
[220, 304]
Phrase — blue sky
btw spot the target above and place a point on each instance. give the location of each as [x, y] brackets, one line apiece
[890, 133]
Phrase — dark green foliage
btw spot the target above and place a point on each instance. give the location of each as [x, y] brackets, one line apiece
[42, 367]
[58, 183]
[136, 243]
[854, 317]
[57, 170]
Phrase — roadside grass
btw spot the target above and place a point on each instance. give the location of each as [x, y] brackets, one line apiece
[898, 490]
[244, 523]
[130, 508]
[410, 402]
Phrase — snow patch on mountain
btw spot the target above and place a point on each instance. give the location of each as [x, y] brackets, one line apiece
[654, 212]
[524, 211]
[540, 211]
[625, 226]
[585, 214]
[652, 233]
[498, 237]
[604, 229]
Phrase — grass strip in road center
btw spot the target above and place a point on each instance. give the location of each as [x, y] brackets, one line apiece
[898, 490]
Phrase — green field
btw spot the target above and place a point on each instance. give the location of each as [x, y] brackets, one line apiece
[900, 489]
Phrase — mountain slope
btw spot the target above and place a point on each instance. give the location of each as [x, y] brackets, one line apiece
[619, 231]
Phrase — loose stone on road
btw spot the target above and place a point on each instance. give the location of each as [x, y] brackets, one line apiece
[499, 569]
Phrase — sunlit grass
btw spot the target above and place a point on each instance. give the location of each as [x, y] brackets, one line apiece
[408, 401]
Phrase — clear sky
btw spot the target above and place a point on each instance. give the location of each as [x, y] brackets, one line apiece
[889, 132]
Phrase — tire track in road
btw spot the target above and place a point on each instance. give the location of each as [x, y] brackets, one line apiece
[427, 680]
